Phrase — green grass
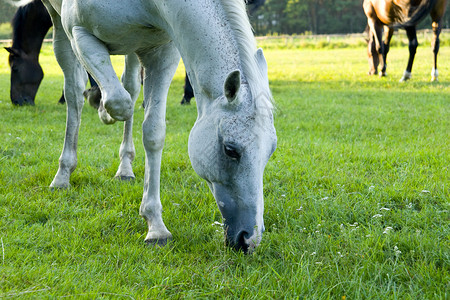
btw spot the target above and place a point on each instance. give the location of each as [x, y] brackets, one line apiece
[356, 195]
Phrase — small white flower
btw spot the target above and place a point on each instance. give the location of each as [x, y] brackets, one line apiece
[217, 224]
[397, 251]
[324, 198]
[425, 191]
[312, 254]
[300, 208]
[387, 229]
[371, 188]
[377, 216]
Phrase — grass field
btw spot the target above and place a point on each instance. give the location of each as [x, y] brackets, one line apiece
[356, 195]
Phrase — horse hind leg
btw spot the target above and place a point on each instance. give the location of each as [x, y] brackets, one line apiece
[374, 60]
[158, 75]
[131, 82]
[116, 101]
[413, 44]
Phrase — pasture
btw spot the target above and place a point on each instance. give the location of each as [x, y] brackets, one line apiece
[356, 194]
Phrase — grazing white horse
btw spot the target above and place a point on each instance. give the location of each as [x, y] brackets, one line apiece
[233, 137]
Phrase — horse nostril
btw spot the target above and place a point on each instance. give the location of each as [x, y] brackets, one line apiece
[240, 241]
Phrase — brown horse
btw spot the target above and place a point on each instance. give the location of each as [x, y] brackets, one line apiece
[383, 16]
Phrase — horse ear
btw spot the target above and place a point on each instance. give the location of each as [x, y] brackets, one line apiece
[13, 51]
[262, 63]
[232, 85]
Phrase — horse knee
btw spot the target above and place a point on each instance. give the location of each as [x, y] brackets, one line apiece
[154, 134]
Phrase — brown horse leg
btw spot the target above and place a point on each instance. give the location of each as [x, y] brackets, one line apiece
[376, 32]
[388, 32]
[435, 47]
[374, 60]
[412, 37]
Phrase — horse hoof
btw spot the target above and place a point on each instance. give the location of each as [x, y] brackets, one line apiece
[185, 101]
[157, 242]
[125, 178]
[53, 187]
[406, 76]
[105, 117]
[93, 96]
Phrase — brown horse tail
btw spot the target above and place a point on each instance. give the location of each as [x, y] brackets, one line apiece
[418, 15]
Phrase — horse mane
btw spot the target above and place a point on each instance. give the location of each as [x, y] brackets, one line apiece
[236, 13]
[17, 24]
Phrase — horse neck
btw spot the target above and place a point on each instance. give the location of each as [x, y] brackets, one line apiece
[30, 28]
[207, 45]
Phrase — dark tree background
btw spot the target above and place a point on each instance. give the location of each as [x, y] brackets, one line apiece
[295, 17]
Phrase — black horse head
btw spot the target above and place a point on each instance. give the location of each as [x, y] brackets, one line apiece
[26, 76]
[30, 25]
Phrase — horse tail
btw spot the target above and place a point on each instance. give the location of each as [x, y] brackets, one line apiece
[18, 3]
[418, 15]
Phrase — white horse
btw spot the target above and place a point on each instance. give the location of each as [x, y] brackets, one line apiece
[233, 137]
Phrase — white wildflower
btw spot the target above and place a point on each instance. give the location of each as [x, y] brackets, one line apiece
[387, 229]
[377, 216]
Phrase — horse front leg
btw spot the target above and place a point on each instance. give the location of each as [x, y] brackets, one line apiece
[75, 79]
[158, 75]
[413, 44]
[132, 83]
[435, 47]
[116, 102]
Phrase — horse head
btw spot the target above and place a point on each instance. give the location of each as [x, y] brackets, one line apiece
[229, 146]
[26, 76]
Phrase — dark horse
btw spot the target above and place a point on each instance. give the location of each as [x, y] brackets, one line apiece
[30, 25]
[253, 5]
[384, 16]
[26, 73]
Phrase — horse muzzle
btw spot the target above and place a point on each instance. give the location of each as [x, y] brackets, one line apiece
[243, 217]
[21, 101]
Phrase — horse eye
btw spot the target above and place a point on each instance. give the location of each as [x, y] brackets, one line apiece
[231, 152]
